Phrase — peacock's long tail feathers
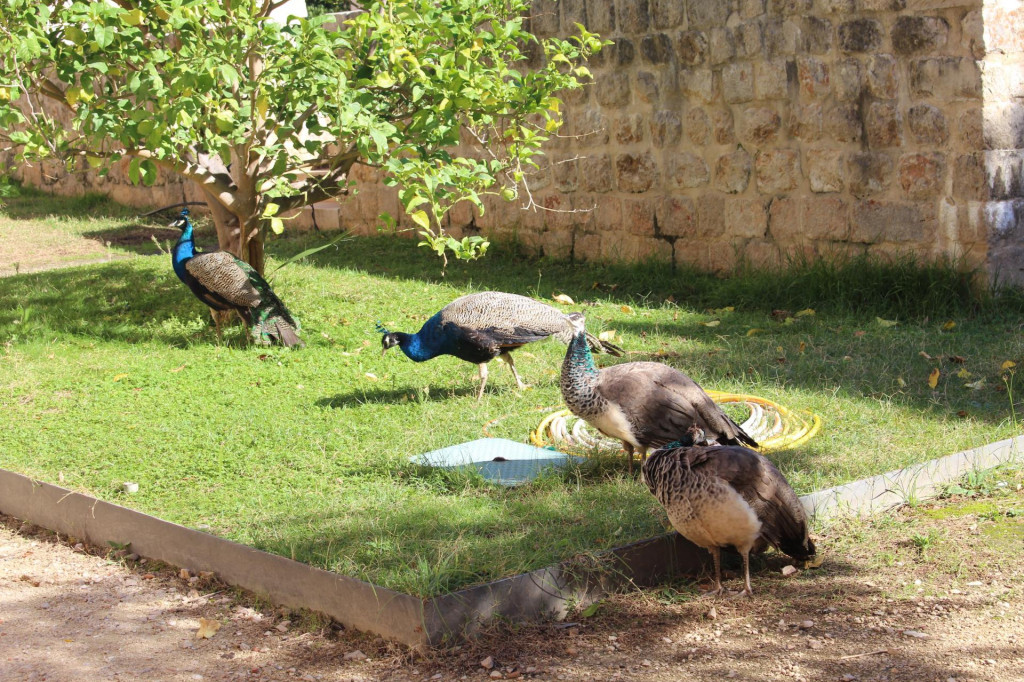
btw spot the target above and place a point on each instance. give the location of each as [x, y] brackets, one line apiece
[271, 320]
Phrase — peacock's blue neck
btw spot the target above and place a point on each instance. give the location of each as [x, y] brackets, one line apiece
[580, 358]
[414, 348]
[184, 249]
[579, 378]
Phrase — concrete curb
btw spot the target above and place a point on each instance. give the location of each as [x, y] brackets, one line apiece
[417, 622]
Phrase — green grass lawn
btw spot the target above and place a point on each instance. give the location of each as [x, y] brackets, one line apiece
[112, 373]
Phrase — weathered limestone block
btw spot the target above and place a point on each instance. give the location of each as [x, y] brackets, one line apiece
[860, 35]
[614, 90]
[591, 127]
[698, 85]
[609, 212]
[790, 6]
[917, 35]
[705, 14]
[825, 170]
[945, 78]
[874, 221]
[656, 48]
[749, 38]
[921, 175]
[638, 216]
[813, 76]
[633, 16]
[685, 170]
[846, 78]
[884, 125]
[667, 13]
[556, 244]
[972, 34]
[869, 172]
[636, 172]
[770, 79]
[825, 218]
[666, 128]
[778, 170]
[600, 16]
[698, 126]
[540, 176]
[710, 215]
[758, 125]
[573, 12]
[746, 218]
[567, 173]
[785, 220]
[880, 5]
[970, 129]
[721, 46]
[881, 76]
[677, 216]
[781, 36]
[927, 124]
[647, 88]
[544, 18]
[751, 8]
[596, 173]
[1004, 125]
[732, 171]
[1005, 168]
[587, 247]
[817, 35]
[842, 122]
[970, 182]
[806, 122]
[691, 48]
[836, 6]
[738, 82]
[722, 126]
[1003, 23]
[629, 128]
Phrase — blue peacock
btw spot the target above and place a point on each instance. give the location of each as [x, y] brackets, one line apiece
[226, 283]
[480, 327]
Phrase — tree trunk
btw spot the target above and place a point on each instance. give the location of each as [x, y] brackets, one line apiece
[246, 243]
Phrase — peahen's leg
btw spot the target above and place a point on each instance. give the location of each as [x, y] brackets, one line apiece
[746, 591]
[507, 357]
[629, 454]
[716, 554]
[483, 380]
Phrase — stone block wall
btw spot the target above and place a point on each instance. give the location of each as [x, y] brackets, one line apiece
[721, 131]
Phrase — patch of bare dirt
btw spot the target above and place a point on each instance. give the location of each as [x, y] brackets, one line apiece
[930, 593]
[32, 245]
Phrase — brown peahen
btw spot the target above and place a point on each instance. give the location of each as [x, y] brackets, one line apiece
[225, 283]
[480, 327]
[719, 496]
[643, 404]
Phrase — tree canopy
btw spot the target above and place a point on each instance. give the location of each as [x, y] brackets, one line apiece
[270, 115]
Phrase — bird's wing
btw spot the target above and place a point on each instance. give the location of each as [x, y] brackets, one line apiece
[219, 272]
[662, 402]
[509, 320]
[762, 485]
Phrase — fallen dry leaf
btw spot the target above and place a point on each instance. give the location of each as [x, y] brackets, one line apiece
[1009, 364]
[754, 330]
[933, 378]
[948, 325]
[963, 373]
[925, 355]
[886, 323]
[178, 369]
[207, 628]
[626, 309]
[958, 359]
[859, 333]
[712, 323]
[118, 377]
[562, 298]
[371, 376]
[806, 312]
[607, 335]
[976, 385]
[803, 346]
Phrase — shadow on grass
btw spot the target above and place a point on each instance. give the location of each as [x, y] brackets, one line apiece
[115, 301]
[361, 396]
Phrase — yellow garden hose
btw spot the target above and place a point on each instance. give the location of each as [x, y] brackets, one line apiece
[773, 426]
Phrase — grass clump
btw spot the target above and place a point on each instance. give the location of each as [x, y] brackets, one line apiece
[111, 372]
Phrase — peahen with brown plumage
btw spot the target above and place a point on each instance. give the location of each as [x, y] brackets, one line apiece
[225, 283]
[643, 404]
[480, 327]
[720, 496]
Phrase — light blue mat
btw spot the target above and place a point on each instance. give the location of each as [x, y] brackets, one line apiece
[498, 460]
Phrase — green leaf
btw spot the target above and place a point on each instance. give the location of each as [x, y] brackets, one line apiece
[421, 219]
[133, 170]
[384, 80]
[277, 225]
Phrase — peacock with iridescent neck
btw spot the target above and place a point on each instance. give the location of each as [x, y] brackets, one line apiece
[226, 283]
[480, 327]
[643, 404]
